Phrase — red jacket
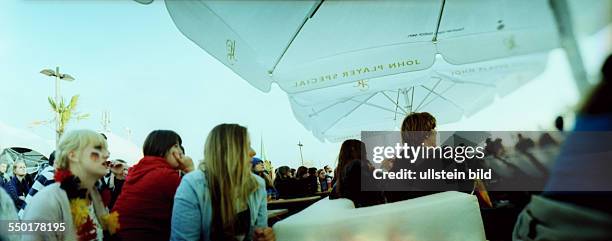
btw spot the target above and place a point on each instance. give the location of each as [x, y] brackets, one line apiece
[145, 203]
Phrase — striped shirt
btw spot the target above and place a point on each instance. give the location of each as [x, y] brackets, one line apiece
[43, 179]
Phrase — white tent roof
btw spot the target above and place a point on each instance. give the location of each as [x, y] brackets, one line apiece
[121, 148]
[15, 137]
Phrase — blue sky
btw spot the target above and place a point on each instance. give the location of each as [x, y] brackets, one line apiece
[129, 59]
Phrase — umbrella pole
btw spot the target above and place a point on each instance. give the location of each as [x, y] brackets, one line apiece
[570, 44]
[301, 155]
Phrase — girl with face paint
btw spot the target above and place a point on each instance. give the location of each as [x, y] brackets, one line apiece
[72, 204]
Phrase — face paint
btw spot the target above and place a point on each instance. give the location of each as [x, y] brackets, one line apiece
[95, 156]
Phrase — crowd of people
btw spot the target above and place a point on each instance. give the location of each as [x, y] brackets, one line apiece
[166, 197]
[97, 199]
[302, 182]
[228, 187]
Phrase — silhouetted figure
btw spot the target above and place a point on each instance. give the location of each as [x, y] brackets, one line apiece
[352, 170]
[559, 123]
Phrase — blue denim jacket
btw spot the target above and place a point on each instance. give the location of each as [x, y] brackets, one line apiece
[192, 211]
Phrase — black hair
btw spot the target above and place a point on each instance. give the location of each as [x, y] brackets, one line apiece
[559, 123]
[159, 142]
[301, 171]
[52, 158]
[282, 171]
[312, 171]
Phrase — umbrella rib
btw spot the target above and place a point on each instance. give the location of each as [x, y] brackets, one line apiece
[312, 12]
[435, 37]
[329, 106]
[441, 93]
[323, 109]
[396, 104]
[412, 99]
[377, 106]
[444, 98]
[456, 80]
[348, 113]
[428, 94]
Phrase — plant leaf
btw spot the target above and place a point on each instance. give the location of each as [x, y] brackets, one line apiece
[73, 102]
[53, 104]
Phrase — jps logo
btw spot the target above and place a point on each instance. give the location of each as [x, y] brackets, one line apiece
[231, 51]
[510, 43]
[362, 85]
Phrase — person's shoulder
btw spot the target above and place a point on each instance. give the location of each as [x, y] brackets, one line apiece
[170, 175]
[48, 169]
[164, 171]
[354, 164]
[260, 181]
[196, 177]
[45, 200]
[46, 174]
[52, 189]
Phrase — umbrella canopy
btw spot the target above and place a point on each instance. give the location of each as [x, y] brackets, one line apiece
[363, 65]
[305, 45]
[448, 91]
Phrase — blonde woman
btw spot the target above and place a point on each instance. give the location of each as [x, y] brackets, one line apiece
[222, 200]
[72, 204]
[19, 185]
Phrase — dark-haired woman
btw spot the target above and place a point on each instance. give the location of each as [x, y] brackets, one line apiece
[145, 203]
[284, 183]
[303, 182]
[353, 169]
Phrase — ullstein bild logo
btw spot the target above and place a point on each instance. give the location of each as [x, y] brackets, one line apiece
[431, 174]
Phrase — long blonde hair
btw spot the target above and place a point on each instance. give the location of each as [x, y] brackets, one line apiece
[228, 171]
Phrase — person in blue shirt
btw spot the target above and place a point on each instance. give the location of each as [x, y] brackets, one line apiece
[223, 199]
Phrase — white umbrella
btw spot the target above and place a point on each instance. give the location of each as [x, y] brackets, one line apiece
[324, 53]
[447, 91]
[305, 45]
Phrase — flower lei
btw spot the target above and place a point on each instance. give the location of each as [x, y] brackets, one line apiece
[79, 208]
